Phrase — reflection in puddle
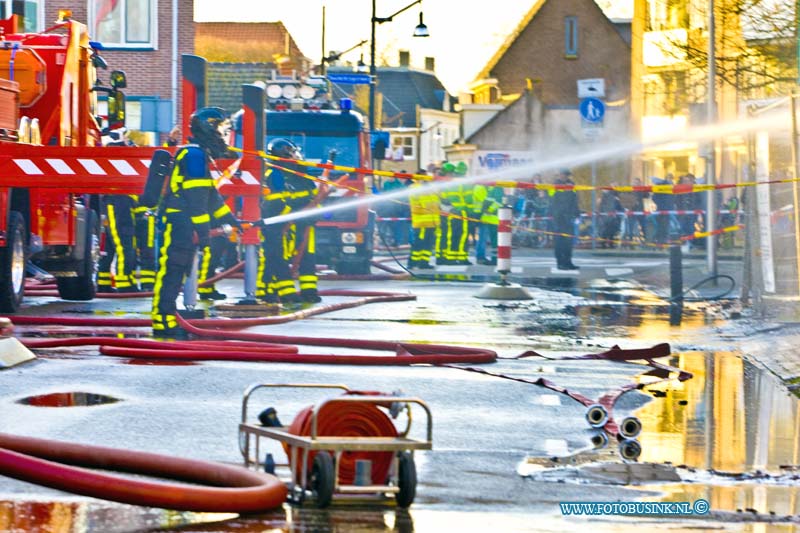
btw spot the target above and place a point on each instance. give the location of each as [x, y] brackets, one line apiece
[75, 517]
[619, 311]
[84, 517]
[730, 417]
[67, 399]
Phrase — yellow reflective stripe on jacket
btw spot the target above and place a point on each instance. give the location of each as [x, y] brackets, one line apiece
[176, 179]
[276, 195]
[302, 194]
[222, 211]
[195, 183]
[201, 219]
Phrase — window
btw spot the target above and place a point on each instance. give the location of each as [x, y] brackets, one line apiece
[571, 37]
[29, 12]
[403, 147]
[123, 23]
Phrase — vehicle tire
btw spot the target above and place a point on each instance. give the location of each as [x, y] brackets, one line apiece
[84, 287]
[12, 264]
[322, 480]
[406, 479]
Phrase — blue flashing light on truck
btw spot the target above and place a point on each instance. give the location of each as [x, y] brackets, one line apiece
[345, 237]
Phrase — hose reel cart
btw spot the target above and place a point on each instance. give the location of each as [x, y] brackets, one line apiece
[346, 446]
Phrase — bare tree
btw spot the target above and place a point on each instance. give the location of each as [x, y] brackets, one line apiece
[755, 47]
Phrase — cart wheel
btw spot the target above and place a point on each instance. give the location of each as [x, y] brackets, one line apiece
[406, 480]
[322, 478]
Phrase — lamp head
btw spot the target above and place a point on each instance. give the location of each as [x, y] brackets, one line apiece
[421, 30]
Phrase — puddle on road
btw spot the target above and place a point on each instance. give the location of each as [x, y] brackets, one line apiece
[622, 309]
[731, 433]
[67, 399]
[83, 517]
[731, 417]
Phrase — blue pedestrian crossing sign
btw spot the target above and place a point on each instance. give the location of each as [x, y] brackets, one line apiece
[592, 110]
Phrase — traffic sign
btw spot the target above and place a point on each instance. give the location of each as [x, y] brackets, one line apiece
[592, 88]
[353, 79]
[592, 110]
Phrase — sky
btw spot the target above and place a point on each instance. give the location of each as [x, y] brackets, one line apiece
[463, 35]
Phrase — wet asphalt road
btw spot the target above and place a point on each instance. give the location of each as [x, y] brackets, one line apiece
[487, 430]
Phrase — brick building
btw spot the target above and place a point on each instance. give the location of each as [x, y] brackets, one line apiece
[524, 103]
[555, 44]
[143, 38]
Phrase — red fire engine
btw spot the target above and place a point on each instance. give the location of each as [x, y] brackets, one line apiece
[52, 162]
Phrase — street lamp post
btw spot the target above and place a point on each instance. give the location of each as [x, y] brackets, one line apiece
[419, 31]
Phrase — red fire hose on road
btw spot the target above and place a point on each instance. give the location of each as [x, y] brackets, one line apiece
[259, 347]
[232, 489]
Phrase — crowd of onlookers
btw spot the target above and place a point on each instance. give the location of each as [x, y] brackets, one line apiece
[627, 219]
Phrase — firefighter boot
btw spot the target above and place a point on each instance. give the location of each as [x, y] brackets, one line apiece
[213, 295]
[310, 296]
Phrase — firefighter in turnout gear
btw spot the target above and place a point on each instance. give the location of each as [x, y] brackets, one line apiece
[119, 238]
[191, 202]
[145, 223]
[119, 228]
[454, 223]
[425, 223]
[285, 192]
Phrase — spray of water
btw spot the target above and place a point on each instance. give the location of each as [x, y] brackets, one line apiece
[576, 157]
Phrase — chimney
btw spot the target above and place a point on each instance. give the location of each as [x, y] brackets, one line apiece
[430, 64]
[405, 58]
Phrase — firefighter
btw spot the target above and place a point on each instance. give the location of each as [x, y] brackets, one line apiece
[145, 223]
[425, 223]
[285, 192]
[218, 248]
[119, 234]
[191, 202]
[455, 222]
[490, 199]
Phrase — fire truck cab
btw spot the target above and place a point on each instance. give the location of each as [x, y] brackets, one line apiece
[304, 114]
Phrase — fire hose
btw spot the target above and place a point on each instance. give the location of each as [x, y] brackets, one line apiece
[599, 413]
[257, 346]
[348, 420]
[215, 487]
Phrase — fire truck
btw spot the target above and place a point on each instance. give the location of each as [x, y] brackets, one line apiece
[53, 166]
[301, 110]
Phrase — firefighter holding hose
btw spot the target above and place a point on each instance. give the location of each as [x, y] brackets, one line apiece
[190, 202]
[286, 192]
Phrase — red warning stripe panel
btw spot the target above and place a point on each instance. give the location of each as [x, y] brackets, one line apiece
[96, 170]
